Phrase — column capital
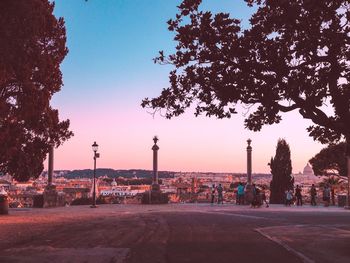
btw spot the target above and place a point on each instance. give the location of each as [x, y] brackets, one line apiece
[249, 148]
[155, 147]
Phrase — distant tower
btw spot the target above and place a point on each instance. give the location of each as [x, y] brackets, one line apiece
[155, 148]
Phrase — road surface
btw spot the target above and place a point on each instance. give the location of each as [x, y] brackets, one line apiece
[176, 233]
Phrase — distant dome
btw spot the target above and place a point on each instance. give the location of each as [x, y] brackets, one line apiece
[308, 170]
[114, 183]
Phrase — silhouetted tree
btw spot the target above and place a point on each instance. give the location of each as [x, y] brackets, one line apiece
[295, 56]
[281, 170]
[330, 161]
[32, 46]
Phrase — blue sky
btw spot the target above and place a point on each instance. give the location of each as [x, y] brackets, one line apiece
[112, 43]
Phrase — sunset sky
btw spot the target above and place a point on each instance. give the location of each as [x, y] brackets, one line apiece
[109, 70]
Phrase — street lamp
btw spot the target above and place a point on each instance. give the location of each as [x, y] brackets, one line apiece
[96, 155]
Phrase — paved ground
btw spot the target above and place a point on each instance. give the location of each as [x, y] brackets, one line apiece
[176, 233]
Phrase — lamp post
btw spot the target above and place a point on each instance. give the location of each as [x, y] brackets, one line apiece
[96, 155]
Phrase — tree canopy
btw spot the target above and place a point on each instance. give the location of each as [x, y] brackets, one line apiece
[32, 47]
[330, 161]
[295, 56]
[281, 170]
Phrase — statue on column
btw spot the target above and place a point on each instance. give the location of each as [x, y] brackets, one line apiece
[248, 191]
[155, 148]
[155, 195]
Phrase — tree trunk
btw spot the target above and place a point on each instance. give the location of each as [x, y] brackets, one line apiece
[348, 166]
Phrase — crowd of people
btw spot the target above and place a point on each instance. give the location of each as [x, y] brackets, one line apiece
[296, 196]
[258, 195]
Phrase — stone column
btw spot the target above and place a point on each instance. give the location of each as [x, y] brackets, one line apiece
[249, 162]
[50, 194]
[155, 195]
[155, 148]
[248, 191]
[50, 168]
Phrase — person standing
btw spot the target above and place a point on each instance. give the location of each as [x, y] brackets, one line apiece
[212, 194]
[263, 197]
[313, 193]
[289, 197]
[298, 196]
[220, 196]
[240, 194]
[255, 196]
[326, 195]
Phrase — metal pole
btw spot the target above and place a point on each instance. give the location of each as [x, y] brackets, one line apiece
[94, 191]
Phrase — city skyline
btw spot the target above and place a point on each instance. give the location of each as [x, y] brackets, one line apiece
[109, 70]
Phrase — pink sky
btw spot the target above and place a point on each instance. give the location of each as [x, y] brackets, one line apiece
[186, 143]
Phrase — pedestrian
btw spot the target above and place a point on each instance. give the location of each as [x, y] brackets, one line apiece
[240, 194]
[212, 194]
[289, 197]
[263, 197]
[326, 195]
[286, 197]
[313, 193]
[299, 196]
[255, 192]
[220, 196]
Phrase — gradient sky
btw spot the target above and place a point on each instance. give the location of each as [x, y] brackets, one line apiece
[109, 70]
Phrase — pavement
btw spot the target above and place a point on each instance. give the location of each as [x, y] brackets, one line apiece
[176, 233]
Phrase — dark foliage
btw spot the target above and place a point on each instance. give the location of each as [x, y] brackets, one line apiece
[281, 170]
[330, 161]
[295, 56]
[32, 46]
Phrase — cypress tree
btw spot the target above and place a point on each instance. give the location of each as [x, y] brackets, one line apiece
[281, 170]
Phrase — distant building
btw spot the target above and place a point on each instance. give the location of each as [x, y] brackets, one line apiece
[307, 177]
[4, 185]
[125, 190]
[308, 170]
